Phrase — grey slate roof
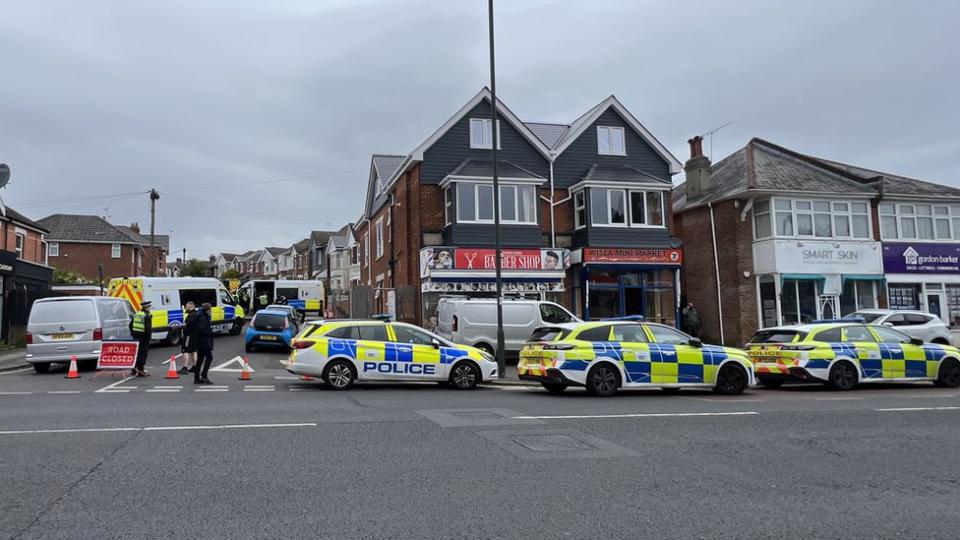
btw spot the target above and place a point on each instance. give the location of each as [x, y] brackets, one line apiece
[893, 184]
[320, 238]
[80, 228]
[547, 132]
[602, 173]
[302, 246]
[577, 124]
[161, 240]
[276, 250]
[386, 165]
[339, 239]
[13, 215]
[484, 169]
[229, 256]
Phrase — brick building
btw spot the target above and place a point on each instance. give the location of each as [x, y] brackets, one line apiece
[155, 258]
[24, 274]
[772, 236]
[81, 244]
[584, 215]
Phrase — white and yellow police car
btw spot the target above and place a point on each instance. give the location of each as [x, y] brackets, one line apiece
[842, 354]
[606, 356]
[341, 352]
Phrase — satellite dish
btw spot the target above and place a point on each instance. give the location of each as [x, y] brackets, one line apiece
[4, 174]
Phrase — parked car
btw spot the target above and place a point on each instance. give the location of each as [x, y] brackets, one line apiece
[273, 328]
[473, 321]
[59, 328]
[919, 324]
[294, 312]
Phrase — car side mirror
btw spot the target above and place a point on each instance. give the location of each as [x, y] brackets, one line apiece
[695, 342]
[435, 342]
[888, 324]
[916, 341]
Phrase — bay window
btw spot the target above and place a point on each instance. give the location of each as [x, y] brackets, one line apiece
[579, 210]
[518, 203]
[919, 221]
[625, 208]
[761, 220]
[819, 219]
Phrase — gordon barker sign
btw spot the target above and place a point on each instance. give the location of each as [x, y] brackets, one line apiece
[921, 258]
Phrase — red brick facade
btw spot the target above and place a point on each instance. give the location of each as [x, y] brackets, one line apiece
[84, 258]
[34, 249]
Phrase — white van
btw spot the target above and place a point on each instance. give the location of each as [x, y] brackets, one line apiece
[306, 295]
[168, 296]
[74, 326]
[473, 321]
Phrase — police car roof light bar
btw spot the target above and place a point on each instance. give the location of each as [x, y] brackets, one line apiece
[633, 318]
[843, 320]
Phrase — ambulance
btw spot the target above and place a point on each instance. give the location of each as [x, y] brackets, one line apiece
[306, 295]
[168, 296]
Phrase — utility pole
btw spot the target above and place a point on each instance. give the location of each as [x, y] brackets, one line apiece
[153, 223]
[501, 359]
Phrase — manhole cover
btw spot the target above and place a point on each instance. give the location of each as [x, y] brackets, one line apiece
[476, 415]
[551, 443]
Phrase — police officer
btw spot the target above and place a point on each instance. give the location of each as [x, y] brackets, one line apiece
[204, 346]
[264, 300]
[141, 328]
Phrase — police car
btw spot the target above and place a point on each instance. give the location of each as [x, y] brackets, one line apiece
[341, 352]
[842, 354]
[605, 356]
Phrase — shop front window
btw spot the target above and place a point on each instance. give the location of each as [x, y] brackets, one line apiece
[798, 301]
[953, 304]
[857, 295]
[604, 303]
[768, 301]
[660, 306]
[904, 296]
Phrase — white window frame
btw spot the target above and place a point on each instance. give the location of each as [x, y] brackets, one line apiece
[769, 217]
[836, 210]
[610, 151]
[897, 211]
[116, 250]
[578, 207]
[21, 242]
[630, 222]
[53, 249]
[379, 230]
[484, 144]
[448, 204]
[515, 188]
[366, 249]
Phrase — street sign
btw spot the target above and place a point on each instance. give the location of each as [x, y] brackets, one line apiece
[118, 355]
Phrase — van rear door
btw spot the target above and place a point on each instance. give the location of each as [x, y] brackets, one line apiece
[62, 328]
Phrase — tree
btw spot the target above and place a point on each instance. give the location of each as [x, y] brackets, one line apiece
[195, 268]
[68, 277]
[230, 273]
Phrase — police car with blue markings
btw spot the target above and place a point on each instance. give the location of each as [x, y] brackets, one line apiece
[608, 355]
[342, 352]
[842, 354]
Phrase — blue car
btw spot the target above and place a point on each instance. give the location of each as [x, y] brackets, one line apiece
[273, 328]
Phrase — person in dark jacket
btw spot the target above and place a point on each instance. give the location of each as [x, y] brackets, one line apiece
[691, 320]
[204, 346]
[141, 328]
[189, 344]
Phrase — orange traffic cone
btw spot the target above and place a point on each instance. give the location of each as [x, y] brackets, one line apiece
[172, 369]
[73, 373]
[306, 378]
[245, 372]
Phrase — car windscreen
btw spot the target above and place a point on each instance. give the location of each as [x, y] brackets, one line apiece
[62, 311]
[269, 321]
[867, 317]
[777, 336]
[548, 334]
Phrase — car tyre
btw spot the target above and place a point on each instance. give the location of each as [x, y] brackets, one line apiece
[43, 367]
[949, 375]
[173, 337]
[843, 376]
[339, 375]
[770, 383]
[554, 388]
[237, 327]
[603, 380]
[732, 380]
[465, 376]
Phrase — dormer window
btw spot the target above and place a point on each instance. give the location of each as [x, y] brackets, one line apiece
[481, 136]
[610, 141]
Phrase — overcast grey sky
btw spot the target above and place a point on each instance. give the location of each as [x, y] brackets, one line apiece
[115, 97]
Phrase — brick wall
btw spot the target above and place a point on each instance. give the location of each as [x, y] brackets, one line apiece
[84, 258]
[33, 249]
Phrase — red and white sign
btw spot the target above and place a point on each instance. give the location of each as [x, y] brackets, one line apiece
[117, 355]
[632, 255]
[511, 259]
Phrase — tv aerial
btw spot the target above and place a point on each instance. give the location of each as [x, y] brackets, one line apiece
[710, 134]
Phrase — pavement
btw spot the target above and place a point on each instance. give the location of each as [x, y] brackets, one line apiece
[278, 457]
[13, 359]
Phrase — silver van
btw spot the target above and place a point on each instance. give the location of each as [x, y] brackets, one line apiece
[61, 327]
[473, 321]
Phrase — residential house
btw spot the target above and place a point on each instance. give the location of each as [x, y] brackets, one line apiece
[592, 196]
[268, 265]
[83, 244]
[285, 263]
[301, 259]
[317, 258]
[155, 258]
[338, 264]
[226, 261]
[24, 273]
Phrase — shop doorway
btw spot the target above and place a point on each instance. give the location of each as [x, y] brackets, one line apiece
[936, 302]
[828, 306]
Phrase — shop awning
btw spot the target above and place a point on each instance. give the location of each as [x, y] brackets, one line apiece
[799, 277]
[863, 277]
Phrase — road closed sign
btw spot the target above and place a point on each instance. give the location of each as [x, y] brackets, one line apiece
[118, 355]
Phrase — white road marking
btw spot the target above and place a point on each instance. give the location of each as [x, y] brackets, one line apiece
[162, 390]
[301, 388]
[934, 396]
[728, 400]
[235, 360]
[154, 428]
[176, 357]
[517, 388]
[15, 393]
[64, 392]
[286, 377]
[16, 371]
[837, 398]
[112, 386]
[212, 389]
[637, 415]
[912, 409]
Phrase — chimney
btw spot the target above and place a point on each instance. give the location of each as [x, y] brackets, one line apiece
[697, 170]
[135, 227]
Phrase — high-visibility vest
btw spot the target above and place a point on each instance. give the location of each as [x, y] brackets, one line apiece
[140, 322]
[264, 299]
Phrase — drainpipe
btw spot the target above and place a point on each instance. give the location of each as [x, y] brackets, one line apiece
[553, 232]
[716, 268]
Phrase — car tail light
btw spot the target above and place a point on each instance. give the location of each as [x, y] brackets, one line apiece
[29, 338]
[456, 323]
[303, 344]
[98, 334]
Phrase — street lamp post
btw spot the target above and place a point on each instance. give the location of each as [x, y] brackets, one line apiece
[501, 360]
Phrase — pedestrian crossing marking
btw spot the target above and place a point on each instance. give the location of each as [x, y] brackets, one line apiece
[235, 360]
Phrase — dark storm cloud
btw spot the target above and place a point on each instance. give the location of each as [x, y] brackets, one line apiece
[118, 97]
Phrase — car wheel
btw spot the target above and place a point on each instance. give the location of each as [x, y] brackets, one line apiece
[248, 347]
[842, 376]
[465, 376]
[949, 375]
[173, 337]
[339, 375]
[41, 368]
[603, 380]
[770, 383]
[731, 380]
[485, 347]
[236, 328]
[553, 388]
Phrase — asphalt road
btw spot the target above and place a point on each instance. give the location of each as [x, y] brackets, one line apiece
[281, 458]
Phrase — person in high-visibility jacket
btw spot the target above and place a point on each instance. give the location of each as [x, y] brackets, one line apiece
[141, 328]
[264, 300]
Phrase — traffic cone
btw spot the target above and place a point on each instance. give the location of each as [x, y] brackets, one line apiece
[172, 369]
[73, 372]
[245, 372]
